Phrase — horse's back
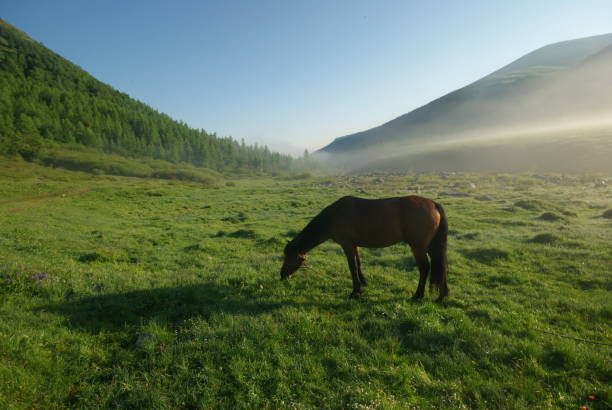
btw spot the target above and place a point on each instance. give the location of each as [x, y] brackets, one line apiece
[383, 222]
[411, 204]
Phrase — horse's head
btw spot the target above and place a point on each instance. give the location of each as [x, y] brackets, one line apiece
[292, 261]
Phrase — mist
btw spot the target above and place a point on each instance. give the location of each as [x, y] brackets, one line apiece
[546, 118]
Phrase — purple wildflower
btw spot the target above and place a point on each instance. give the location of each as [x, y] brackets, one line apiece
[39, 276]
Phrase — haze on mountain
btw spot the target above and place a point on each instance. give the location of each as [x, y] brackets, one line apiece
[542, 111]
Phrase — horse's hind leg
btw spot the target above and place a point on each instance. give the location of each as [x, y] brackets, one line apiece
[423, 264]
[362, 278]
[351, 258]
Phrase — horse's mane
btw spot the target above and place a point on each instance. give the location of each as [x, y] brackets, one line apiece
[315, 232]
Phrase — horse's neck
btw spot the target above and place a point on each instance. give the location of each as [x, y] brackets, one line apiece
[314, 234]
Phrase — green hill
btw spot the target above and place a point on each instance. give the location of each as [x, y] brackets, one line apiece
[47, 101]
[557, 85]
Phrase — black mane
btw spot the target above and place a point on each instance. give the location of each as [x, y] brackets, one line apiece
[316, 232]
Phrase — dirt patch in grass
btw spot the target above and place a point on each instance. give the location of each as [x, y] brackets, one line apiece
[499, 280]
[560, 357]
[550, 217]
[488, 256]
[273, 241]
[291, 233]
[99, 256]
[194, 248]
[529, 204]
[545, 238]
[468, 236]
[243, 233]
[240, 233]
[239, 217]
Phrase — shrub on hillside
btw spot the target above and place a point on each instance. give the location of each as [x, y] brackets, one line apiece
[98, 163]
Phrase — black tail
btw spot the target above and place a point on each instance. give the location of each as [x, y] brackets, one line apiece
[437, 253]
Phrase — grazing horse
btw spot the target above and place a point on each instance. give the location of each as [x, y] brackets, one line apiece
[377, 223]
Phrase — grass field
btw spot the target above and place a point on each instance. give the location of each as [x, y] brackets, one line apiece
[144, 293]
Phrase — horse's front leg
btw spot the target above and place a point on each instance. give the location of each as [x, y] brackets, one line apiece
[351, 258]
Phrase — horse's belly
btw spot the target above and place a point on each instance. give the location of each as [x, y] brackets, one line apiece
[376, 238]
[375, 244]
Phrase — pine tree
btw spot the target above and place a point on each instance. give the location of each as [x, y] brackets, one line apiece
[44, 98]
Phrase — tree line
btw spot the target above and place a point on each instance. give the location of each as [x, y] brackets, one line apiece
[45, 99]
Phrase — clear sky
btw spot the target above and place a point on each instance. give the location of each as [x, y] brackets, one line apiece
[297, 74]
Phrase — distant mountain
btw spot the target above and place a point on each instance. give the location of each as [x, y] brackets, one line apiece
[45, 100]
[560, 83]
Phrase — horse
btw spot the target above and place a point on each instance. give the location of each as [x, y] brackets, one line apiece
[377, 223]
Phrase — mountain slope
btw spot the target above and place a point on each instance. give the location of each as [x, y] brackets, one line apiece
[46, 100]
[565, 80]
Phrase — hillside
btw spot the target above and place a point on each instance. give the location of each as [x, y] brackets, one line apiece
[572, 150]
[45, 100]
[559, 84]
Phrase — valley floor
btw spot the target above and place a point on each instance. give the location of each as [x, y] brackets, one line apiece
[143, 293]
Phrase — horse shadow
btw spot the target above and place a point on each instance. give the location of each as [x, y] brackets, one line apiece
[117, 311]
[114, 312]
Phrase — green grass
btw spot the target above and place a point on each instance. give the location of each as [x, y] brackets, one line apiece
[79, 158]
[166, 294]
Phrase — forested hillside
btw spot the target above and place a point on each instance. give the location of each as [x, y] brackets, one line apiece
[46, 100]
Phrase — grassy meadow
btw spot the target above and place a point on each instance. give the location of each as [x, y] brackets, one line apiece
[130, 292]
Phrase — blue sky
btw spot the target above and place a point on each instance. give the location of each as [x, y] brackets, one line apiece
[297, 74]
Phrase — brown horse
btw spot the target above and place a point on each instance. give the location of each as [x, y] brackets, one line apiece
[377, 223]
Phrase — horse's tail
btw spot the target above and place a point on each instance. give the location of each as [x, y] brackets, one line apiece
[437, 253]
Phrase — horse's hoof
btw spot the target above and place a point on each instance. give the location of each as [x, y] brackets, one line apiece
[417, 297]
[354, 295]
[440, 300]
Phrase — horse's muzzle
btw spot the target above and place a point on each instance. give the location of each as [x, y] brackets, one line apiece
[285, 275]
